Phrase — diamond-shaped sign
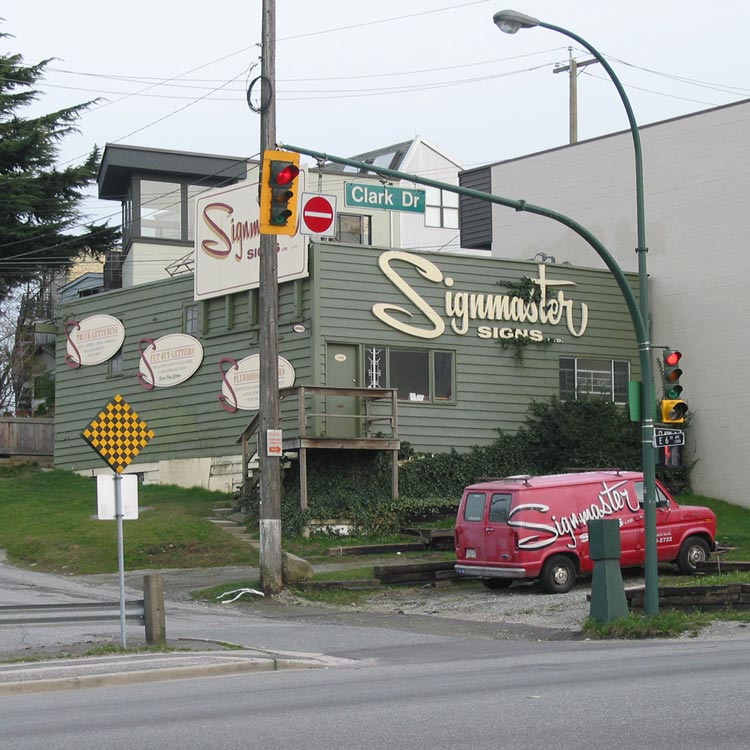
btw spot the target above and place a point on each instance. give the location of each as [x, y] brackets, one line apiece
[118, 434]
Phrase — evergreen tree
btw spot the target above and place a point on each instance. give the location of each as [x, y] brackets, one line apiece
[40, 219]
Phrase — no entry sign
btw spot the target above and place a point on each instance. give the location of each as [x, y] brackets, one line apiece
[318, 214]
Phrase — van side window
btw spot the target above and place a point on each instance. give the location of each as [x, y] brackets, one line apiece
[499, 507]
[474, 508]
[662, 501]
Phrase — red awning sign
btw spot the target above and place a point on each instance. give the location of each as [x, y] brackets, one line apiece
[318, 214]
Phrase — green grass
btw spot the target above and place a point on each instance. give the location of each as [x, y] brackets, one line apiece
[48, 521]
[733, 524]
[213, 593]
[666, 624]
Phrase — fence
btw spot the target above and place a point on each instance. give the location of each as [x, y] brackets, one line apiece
[27, 439]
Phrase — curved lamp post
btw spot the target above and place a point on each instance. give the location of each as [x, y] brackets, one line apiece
[509, 22]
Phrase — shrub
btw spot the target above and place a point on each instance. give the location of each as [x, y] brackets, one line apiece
[558, 435]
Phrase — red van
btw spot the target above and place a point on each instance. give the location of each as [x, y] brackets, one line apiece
[530, 527]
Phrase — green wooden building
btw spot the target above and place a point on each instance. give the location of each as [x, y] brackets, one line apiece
[378, 345]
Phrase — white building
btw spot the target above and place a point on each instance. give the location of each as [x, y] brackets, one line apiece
[158, 189]
[697, 184]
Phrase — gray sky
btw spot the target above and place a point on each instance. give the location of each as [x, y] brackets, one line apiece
[353, 76]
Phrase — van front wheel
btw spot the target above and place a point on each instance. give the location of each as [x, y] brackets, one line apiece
[558, 575]
[694, 551]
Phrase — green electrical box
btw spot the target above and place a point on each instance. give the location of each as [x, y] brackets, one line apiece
[608, 601]
[604, 539]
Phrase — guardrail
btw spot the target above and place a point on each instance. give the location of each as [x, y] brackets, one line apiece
[50, 614]
[148, 611]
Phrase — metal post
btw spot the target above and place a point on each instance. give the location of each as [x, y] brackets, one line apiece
[270, 469]
[648, 405]
[120, 556]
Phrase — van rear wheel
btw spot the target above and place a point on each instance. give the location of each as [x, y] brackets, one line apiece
[497, 583]
[558, 575]
[694, 551]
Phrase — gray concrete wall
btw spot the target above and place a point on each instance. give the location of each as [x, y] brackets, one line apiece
[697, 180]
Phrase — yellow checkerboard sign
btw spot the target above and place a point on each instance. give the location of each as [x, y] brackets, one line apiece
[118, 434]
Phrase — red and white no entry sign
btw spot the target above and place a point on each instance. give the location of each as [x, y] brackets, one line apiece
[318, 214]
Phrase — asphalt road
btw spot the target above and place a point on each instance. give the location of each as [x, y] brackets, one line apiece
[382, 681]
[478, 694]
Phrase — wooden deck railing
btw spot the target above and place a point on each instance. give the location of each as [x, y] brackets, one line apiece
[372, 425]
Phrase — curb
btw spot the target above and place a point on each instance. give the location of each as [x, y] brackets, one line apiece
[158, 675]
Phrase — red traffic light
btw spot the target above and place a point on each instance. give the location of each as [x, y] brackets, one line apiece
[284, 176]
[672, 358]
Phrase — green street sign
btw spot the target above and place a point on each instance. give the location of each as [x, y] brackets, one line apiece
[359, 195]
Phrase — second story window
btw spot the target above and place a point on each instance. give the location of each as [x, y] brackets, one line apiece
[161, 210]
[441, 209]
[353, 229]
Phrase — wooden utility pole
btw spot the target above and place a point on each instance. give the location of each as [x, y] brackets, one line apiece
[573, 66]
[270, 469]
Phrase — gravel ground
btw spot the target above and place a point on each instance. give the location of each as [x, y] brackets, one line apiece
[522, 604]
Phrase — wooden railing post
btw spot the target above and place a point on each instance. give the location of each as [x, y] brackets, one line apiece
[153, 605]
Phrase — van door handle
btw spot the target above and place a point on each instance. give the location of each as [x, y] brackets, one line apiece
[488, 529]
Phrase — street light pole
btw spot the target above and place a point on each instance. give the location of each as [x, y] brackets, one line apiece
[509, 22]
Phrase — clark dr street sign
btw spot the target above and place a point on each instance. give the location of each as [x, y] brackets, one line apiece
[385, 197]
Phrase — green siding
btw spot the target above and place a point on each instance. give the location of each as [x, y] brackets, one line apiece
[492, 389]
[188, 419]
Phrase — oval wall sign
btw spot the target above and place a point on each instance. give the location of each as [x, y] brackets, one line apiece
[240, 388]
[93, 340]
[168, 361]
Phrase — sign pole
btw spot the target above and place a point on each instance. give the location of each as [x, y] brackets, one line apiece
[120, 555]
[271, 573]
[118, 434]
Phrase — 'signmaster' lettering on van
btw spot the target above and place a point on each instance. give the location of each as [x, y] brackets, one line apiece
[612, 499]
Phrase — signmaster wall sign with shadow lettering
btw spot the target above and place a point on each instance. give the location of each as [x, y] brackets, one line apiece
[227, 243]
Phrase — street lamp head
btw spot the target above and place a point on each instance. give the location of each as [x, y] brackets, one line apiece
[510, 21]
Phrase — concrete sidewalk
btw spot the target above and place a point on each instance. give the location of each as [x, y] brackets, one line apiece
[128, 669]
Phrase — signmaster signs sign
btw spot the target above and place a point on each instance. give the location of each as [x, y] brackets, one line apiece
[227, 243]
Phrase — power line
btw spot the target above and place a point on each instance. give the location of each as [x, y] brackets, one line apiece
[418, 71]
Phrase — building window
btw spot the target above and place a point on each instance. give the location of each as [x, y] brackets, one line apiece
[193, 192]
[353, 229]
[419, 375]
[161, 210]
[191, 319]
[605, 378]
[441, 209]
[115, 365]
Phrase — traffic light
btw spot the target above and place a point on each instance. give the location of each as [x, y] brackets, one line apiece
[672, 408]
[279, 192]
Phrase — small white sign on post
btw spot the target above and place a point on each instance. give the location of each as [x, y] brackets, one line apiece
[105, 497]
[274, 443]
